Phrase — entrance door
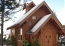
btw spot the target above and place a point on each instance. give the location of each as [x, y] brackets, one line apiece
[48, 39]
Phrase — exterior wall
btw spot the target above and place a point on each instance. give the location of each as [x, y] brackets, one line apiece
[49, 27]
[25, 27]
[39, 14]
[51, 31]
[15, 31]
[19, 42]
[10, 32]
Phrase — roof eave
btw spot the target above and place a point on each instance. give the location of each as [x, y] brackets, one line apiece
[43, 3]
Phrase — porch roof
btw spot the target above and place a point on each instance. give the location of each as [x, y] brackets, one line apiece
[38, 25]
[43, 21]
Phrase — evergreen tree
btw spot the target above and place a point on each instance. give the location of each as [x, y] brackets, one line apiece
[5, 14]
[9, 6]
[6, 4]
[35, 43]
[25, 43]
[13, 41]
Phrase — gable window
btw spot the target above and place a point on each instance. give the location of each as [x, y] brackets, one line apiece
[20, 34]
[29, 23]
[35, 17]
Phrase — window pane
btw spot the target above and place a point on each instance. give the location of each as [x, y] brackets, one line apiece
[19, 37]
[20, 31]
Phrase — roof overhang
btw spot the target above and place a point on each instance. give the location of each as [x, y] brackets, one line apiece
[32, 11]
[54, 19]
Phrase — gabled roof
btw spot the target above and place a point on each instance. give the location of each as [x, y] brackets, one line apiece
[30, 12]
[40, 22]
[43, 21]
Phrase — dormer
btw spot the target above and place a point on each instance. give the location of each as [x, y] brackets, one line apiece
[29, 6]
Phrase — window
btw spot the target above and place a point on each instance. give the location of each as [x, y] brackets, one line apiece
[19, 37]
[20, 34]
[13, 31]
[29, 23]
[35, 17]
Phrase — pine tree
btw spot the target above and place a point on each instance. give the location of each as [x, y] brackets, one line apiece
[6, 4]
[10, 5]
[13, 41]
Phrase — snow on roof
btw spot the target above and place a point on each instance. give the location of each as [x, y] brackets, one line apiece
[25, 15]
[43, 19]
[19, 16]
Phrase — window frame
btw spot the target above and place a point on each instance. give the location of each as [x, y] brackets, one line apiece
[20, 34]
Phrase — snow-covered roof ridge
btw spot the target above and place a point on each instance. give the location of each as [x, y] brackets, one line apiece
[41, 21]
[29, 13]
[26, 14]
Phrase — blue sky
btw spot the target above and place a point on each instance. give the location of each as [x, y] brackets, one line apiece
[58, 6]
[55, 5]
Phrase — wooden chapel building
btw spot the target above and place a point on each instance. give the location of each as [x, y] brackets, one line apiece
[39, 22]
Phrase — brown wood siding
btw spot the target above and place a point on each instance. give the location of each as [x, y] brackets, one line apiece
[47, 32]
[39, 13]
[11, 33]
[16, 33]
[51, 31]
[20, 43]
[49, 27]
